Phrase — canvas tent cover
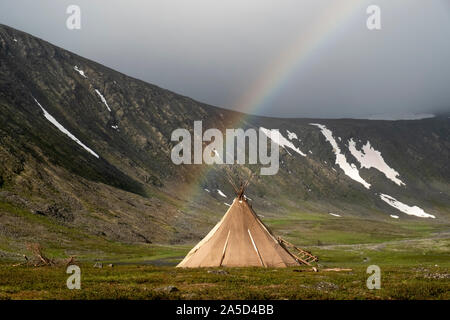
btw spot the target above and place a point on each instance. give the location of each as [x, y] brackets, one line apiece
[240, 239]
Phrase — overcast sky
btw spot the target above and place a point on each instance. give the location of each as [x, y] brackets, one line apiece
[218, 51]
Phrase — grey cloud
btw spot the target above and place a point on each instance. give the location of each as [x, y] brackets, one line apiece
[215, 50]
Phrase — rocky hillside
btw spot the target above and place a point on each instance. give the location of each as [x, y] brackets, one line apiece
[85, 147]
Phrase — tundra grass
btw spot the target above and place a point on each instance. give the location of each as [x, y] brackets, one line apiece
[414, 261]
[148, 282]
[410, 269]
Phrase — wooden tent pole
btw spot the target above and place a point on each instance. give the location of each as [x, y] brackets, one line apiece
[224, 248]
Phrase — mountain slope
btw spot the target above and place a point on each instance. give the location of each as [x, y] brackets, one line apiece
[88, 148]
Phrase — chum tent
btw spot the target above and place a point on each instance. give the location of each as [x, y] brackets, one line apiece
[241, 239]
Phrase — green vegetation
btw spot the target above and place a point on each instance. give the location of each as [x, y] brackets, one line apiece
[313, 229]
[416, 269]
[414, 261]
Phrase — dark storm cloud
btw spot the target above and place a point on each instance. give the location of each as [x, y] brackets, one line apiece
[215, 50]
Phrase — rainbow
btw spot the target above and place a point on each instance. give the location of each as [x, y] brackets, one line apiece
[278, 73]
[296, 54]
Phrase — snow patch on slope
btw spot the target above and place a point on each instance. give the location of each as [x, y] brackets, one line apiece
[278, 138]
[291, 135]
[412, 211]
[103, 99]
[349, 169]
[50, 118]
[81, 72]
[371, 158]
[334, 214]
[221, 193]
